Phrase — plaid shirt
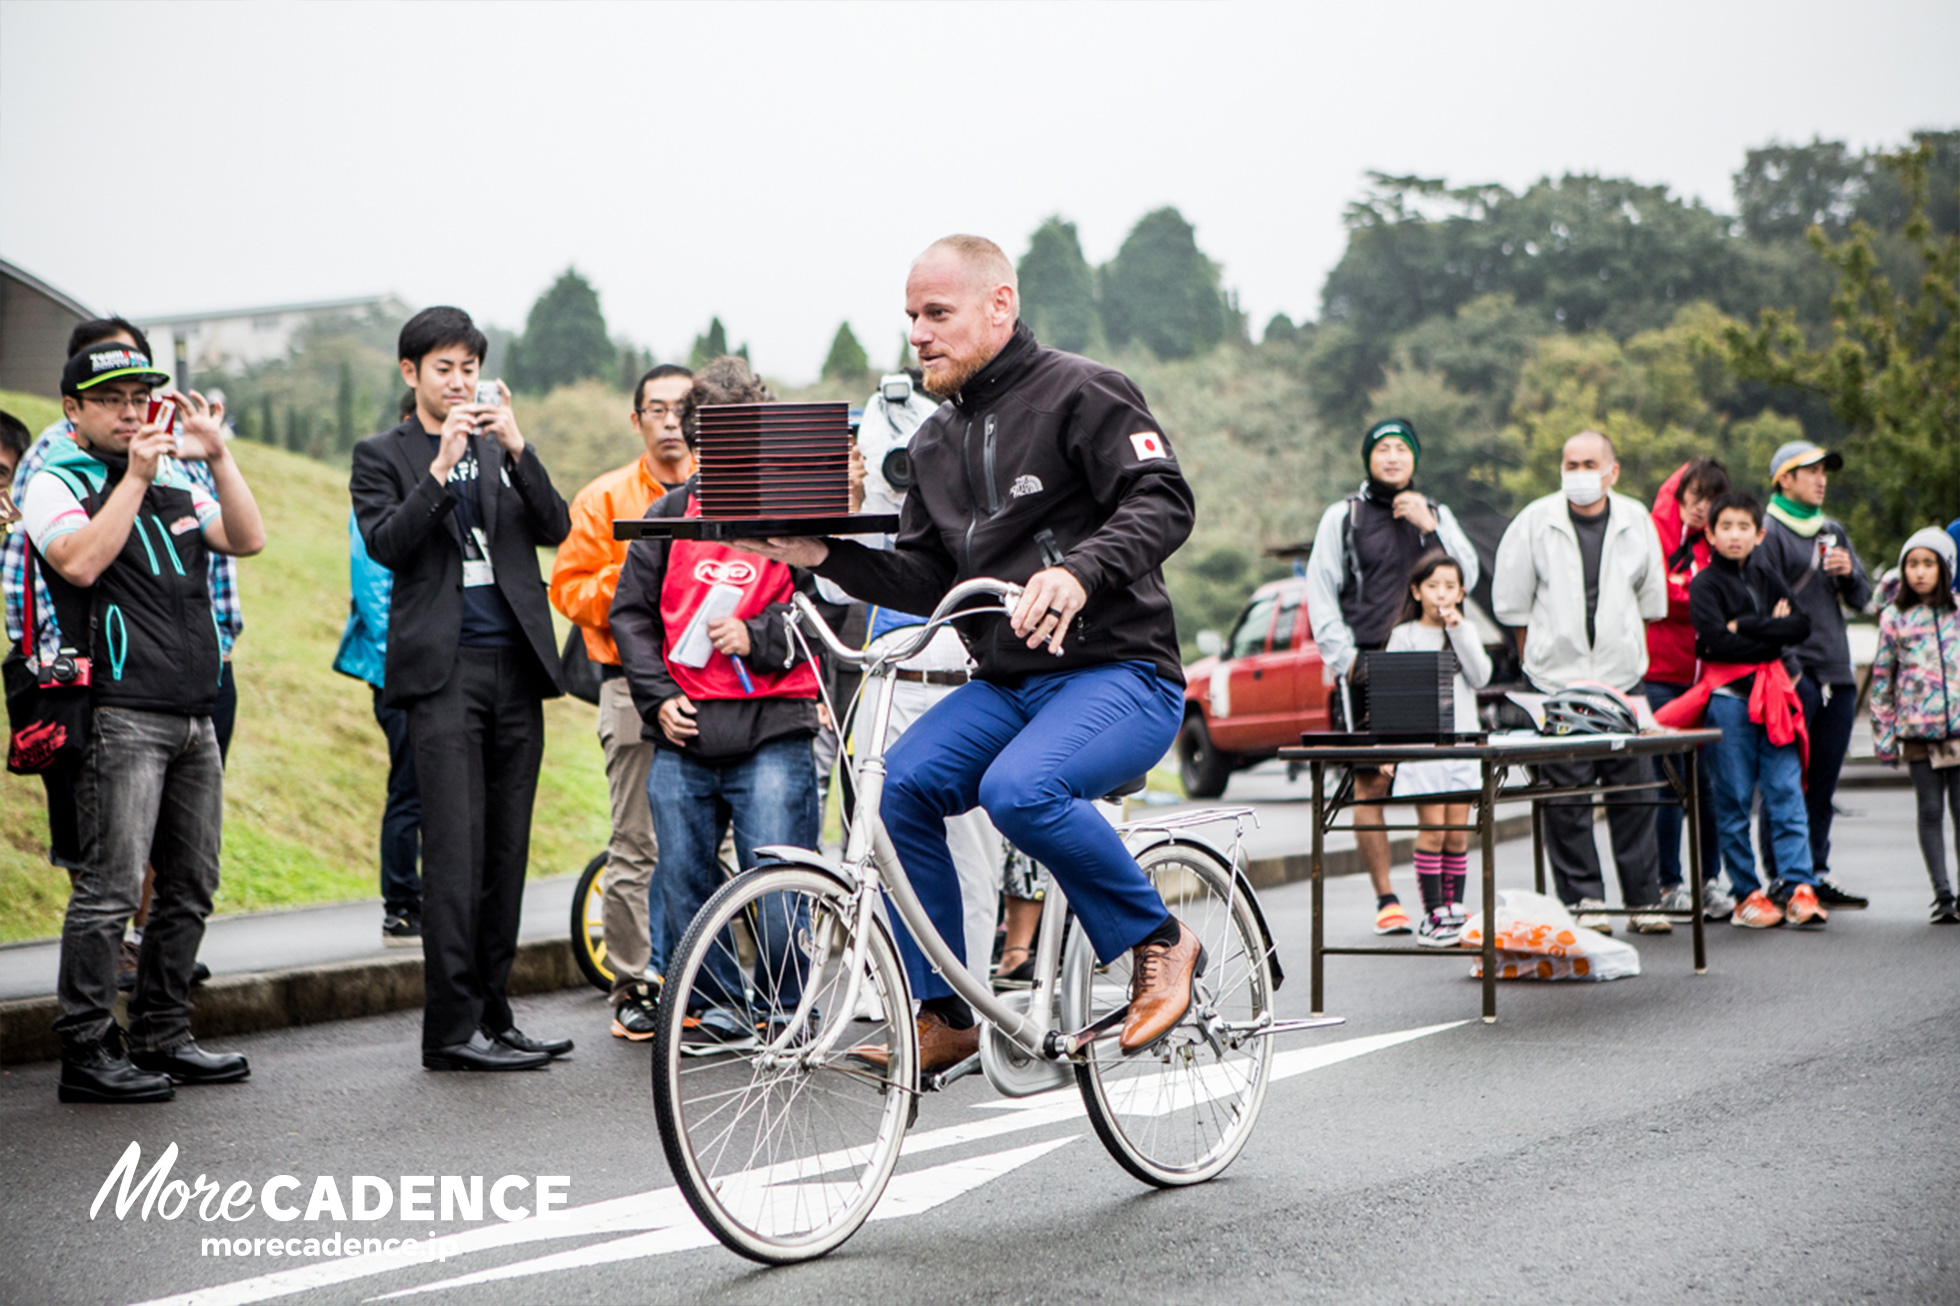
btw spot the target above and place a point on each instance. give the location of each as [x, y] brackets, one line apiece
[221, 574]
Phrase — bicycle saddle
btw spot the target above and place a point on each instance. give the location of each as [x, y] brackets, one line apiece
[1125, 789]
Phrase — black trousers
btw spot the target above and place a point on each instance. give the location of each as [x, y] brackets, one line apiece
[477, 743]
[1569, 833]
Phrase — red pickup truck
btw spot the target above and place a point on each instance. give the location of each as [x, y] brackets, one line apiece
[1256, 691]
[1254, 696]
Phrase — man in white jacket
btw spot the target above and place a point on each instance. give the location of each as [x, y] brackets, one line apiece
[1581, 571]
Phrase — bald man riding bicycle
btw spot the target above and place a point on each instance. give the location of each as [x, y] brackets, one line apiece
[1048, 470]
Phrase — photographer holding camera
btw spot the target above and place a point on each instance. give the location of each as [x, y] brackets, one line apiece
[456, 504]
[120, 535]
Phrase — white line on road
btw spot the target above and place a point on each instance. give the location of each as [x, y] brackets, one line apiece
[663, 1209]
[908, 1194]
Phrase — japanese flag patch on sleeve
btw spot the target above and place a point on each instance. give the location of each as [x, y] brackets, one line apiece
[1149, 444]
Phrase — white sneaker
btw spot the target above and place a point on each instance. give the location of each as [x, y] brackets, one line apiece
[1587, 919]
[1679, 898]
[1717, 904]
[1650, 924]
[1440, 929]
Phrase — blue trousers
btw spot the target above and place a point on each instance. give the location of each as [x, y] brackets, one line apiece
[1743, 762]
[770, 797]
[1035, 755]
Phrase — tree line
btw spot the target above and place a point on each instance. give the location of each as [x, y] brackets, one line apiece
[1821, 304]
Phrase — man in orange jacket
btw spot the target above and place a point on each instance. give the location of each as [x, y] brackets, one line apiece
[582, 586]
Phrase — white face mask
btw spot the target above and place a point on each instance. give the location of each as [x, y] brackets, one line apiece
[1583, 488]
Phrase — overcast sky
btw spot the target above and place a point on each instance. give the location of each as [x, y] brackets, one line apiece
[780, 164]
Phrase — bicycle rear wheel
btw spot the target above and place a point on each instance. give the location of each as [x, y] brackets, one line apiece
[781, 1155]
[1178, 1112]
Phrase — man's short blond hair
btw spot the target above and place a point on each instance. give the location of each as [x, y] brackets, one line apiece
[986, 264]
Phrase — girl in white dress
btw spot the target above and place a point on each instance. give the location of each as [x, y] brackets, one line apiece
[1432, 620]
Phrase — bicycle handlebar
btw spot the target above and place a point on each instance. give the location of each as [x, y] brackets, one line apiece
[805, 612]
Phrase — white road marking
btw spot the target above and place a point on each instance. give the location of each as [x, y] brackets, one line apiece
[908, 1194]
[663, 1212]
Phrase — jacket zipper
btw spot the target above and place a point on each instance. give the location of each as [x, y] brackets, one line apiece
[987, 460]
[966, 470]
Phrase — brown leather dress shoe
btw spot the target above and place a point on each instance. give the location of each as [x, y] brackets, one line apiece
[1160, 987]
[940, 1045]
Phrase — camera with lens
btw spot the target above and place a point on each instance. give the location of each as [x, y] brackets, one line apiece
[885, 433]
[67, 669]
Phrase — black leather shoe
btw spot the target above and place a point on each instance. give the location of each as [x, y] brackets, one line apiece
[100, 1072]
[482, 1053]
[518, 1041]
[188, 1063]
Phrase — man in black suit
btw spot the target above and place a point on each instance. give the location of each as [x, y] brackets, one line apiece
[456, 504]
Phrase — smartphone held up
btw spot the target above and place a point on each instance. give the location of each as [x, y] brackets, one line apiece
[163, 412]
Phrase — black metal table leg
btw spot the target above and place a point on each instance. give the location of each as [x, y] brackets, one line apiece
[1316, 960]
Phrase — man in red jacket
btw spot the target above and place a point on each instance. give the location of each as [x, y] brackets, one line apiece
[1680, 519]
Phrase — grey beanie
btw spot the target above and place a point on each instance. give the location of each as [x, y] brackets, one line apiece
[1930, 537]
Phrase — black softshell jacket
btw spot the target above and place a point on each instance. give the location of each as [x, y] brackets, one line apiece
[1044, 458]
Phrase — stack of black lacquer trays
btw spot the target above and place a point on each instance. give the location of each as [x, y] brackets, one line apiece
[1410, 695]
[774, 460]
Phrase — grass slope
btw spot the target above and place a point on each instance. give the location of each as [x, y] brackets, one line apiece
[308, 765]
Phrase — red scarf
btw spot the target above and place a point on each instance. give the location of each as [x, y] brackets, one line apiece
[1773, 704]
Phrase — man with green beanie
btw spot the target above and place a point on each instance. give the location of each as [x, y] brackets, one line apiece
[1813, 555]
[1357, 576]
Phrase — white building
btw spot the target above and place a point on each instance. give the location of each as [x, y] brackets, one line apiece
[240, 337]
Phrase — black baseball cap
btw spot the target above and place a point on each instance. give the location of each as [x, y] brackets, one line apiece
[109, 361]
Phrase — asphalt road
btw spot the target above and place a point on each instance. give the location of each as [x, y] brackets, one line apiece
[1780, 1129]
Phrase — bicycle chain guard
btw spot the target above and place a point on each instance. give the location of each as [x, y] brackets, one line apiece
[1010, 1068]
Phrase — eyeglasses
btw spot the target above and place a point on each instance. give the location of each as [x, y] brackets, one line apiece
[659, 412]
[116, 402]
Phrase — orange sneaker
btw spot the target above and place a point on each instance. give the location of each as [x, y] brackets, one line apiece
[1803, 910]
[1757, 912]
[1392, 920]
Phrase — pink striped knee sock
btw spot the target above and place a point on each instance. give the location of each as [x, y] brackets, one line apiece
[1455, 869]
[1429, 879]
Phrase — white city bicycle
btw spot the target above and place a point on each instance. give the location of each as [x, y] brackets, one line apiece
[782, 1142]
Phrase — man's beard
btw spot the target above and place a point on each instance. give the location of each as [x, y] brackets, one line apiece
[958, 371]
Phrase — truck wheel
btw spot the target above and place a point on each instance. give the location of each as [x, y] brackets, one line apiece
[1204, 769]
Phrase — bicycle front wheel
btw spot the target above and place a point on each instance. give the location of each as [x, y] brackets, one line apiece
[1179, 1111]
[782, 1150]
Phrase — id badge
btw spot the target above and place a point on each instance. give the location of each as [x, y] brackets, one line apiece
[478, 571]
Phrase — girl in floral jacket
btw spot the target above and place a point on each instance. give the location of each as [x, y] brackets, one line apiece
[1916, 696]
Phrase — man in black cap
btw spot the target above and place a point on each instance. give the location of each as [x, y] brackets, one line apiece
[120, 534]
[1813, 555]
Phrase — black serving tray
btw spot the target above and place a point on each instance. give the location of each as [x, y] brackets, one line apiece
[753, 528]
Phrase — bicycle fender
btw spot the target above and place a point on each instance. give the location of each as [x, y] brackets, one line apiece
[1145, 840]
[782, 854]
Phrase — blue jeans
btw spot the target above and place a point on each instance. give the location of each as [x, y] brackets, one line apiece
[1744, 762]
[770, 796]
[1669, 820]
[1035, 755]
